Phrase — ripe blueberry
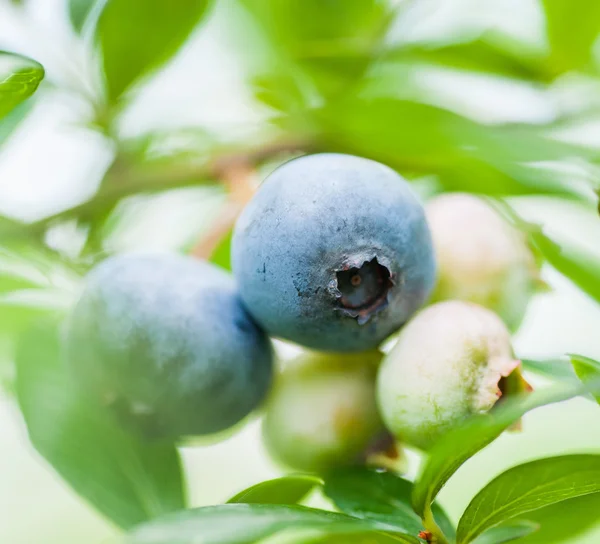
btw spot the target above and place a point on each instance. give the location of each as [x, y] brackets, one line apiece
[452, 360]
[165, 341]
[333, 252]
[322, 412]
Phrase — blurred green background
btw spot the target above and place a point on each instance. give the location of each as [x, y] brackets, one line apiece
[120, 149]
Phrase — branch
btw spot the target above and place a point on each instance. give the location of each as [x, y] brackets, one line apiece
[122, 181]
[433, 532]
[238, 177]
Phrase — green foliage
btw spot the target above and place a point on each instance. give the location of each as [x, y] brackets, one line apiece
[19, 79]
[380, 496]
[286, 490]
[577, 264]
[466, 156]
[552, 368]
[515, 530]
[572, 27]
[31, 286]
[458, 445]
[587, 369]
[574, 262]
[222, 254]
[12, 282]
[491, 54]
[128, 480]
[137, 36]
[529, 487]
[323, 45]
[247, 523]
[80, 10]
[564, 521]
[11, 121]
[359, 538]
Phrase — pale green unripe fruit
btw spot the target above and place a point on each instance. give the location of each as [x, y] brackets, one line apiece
[322, 412]
[480, 257]
[448, 364]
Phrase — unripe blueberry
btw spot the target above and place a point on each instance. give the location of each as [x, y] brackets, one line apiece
[165, 341]
[322, 412]
[480, 257]
[333, 252]
[452, 360]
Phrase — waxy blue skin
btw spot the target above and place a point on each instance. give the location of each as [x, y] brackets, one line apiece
[166, 342]
[315, 216]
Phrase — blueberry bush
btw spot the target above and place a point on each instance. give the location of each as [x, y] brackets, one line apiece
[390, 248]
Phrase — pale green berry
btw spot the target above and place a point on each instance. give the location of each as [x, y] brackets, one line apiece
[452, 360]
[480, 257]
[323, 413]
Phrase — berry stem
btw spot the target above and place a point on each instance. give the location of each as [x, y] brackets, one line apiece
[437, 535]
[238, 178]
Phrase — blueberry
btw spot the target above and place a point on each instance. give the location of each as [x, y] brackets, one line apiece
[166, 342]
[333, 252]
[452, 360]
[480, 257]
[322, 412]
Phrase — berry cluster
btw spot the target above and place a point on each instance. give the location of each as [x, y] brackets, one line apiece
[334, 253]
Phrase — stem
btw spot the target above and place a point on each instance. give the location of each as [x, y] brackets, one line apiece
[123, 180]
[238, 177]
[437, 535]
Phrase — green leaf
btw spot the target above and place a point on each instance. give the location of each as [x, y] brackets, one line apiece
[461, 443]
[12, 121]
[14, 279]
[19, 79]
[578, 265]
[10, 283]
[222, 254]
[528, 487]
[369, 494]
[362, 538]
[574, 262]
[11, 230]
[33, 283]
[507, 532]
[80, 10]
[314, 47]
[137, 36]
[22, 270]
[245, 524]
[17, 316]
[466, 156]
[286, 490]
[552, 368]
[315, 28]
[572, 27]
[490, 53]
[586, 369]
[379, 496]
[128, 480]
[564, 521]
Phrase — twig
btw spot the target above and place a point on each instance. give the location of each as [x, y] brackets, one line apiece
[237, 174]
[122, 181]
[435, 534]
[238, 177]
